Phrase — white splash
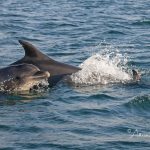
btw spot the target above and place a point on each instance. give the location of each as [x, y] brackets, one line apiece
[102, 68]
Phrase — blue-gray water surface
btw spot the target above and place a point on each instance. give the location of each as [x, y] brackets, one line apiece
[115, 116]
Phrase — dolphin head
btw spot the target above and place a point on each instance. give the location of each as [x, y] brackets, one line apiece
[22, 77]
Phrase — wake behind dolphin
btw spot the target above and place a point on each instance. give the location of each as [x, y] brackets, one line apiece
[104, 69]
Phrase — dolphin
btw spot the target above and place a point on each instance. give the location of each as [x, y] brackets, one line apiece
[21, 77]
[136, 75]
[56, 69]
[34, 56]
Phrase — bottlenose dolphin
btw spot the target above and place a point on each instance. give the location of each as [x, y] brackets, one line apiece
[21, 77]
[57, 69]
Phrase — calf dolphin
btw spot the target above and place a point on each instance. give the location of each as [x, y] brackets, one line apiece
[57, 69]
[21, 77]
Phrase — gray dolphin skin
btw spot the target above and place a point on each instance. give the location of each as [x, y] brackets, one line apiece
[56, 69]
[136, 75]
[21, 77]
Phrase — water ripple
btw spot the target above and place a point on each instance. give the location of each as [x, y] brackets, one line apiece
[77, 117]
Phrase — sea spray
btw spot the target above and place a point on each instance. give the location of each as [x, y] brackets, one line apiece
[103, 68]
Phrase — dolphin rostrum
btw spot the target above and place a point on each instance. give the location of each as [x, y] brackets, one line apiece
[57, 69]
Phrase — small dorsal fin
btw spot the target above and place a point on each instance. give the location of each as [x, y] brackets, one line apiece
[136, 75]
[31, 51]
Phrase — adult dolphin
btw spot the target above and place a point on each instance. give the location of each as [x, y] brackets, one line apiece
[57, 69]
[22, 77]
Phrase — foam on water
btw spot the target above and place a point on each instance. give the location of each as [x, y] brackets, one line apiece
[103, 68]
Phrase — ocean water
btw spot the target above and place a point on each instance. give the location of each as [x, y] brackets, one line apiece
[101, 107]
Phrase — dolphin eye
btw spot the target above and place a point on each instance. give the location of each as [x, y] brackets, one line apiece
[17, 78]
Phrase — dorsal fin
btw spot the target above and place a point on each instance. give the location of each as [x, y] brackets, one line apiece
[136, 75]
[32, 51]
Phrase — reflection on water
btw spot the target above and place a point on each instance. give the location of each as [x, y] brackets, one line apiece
[20, 97]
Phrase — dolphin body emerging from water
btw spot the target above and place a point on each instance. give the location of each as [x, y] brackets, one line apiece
[56, 69]
[21, 77]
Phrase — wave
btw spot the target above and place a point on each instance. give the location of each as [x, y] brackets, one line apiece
[139, 102]
[114, 32]
[142, 22]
